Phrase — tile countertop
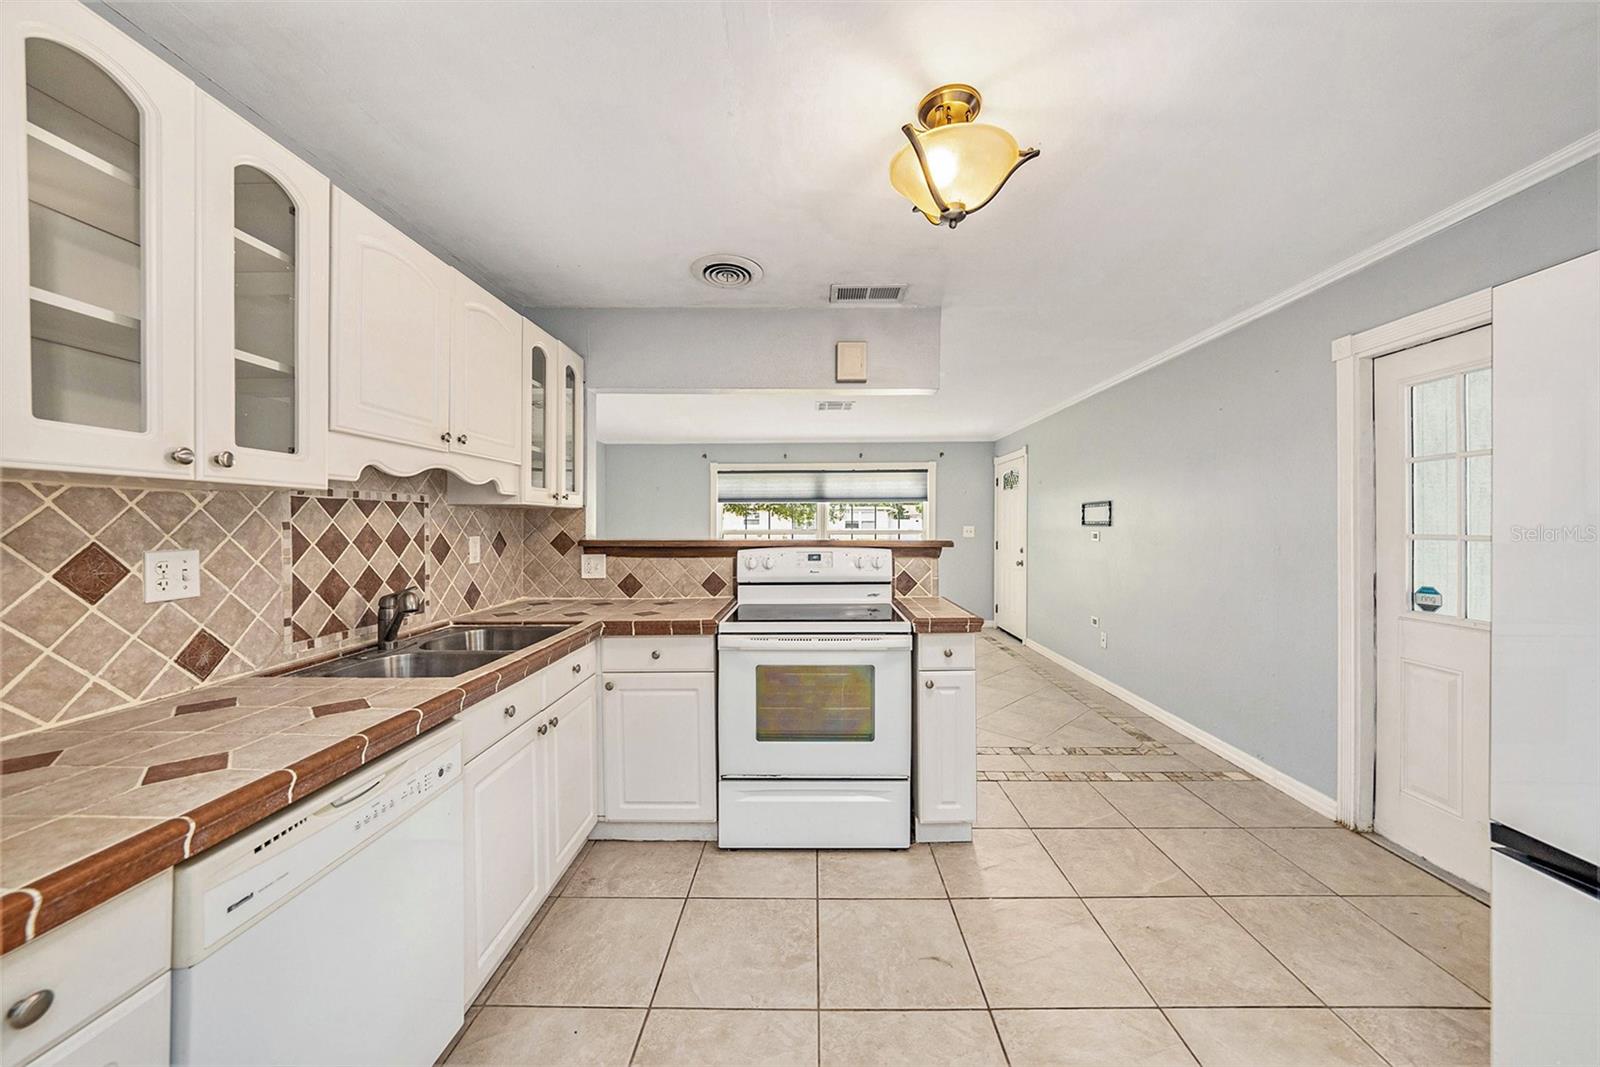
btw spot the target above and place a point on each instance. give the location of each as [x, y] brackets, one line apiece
[936, 615]
[97, 806]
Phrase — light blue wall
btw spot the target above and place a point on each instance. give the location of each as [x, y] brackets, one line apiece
[1217, 585]
[664, 491]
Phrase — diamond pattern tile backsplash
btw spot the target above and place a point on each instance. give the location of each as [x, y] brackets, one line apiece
[283, 574]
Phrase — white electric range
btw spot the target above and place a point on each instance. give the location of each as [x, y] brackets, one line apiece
[814, 703]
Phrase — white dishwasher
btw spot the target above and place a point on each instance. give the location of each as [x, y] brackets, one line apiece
[331, 933]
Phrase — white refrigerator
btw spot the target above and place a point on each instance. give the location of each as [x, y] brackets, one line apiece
[1545, 733]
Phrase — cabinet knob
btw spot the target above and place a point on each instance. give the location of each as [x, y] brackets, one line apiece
[511, 711]
[610, 686]
[461, 438]
[445, 437]
[544, 728]
[949, 652]
[182, 456]
[555, 721]
[577, 668]
[223, 458]
[655, 653]
[928, 684]
[30, 1009]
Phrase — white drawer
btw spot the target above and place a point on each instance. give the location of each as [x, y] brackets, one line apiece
[88, 964]
[562, 676]
[136, 1031]
[658, 654]
[489, 720]
[947, 652]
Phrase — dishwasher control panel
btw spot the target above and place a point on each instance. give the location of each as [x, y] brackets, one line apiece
[222, 891]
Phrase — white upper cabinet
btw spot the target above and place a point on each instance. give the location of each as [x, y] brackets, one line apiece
[263, 308]
[392, 299]
[97, 254]
[541, 355]
[485, 375]
[569, 394]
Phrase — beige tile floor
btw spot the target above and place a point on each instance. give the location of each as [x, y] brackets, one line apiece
[1167, 921]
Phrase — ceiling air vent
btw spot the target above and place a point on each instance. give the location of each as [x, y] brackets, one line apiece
[866, 294]
[726, 271]
[835, 405]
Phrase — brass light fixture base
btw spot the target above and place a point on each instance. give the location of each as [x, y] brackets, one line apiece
[948, 104]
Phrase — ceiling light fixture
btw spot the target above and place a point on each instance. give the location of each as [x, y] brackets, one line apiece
[953, 166]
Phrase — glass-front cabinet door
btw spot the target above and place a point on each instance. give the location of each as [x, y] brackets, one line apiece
[542, 409]
[97, 274]
[569, 480]
[263, 308]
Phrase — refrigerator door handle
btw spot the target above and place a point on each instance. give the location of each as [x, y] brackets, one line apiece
[1545, 858]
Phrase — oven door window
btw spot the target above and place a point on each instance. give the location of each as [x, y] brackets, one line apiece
[814, 702]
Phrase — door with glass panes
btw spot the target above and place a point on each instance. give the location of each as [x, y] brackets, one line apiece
[1433, 458]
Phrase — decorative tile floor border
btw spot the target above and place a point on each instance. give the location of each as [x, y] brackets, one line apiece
[1114, 776]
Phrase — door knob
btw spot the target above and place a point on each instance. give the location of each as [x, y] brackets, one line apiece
[223, 458]
[182, 456]
[30, 1009]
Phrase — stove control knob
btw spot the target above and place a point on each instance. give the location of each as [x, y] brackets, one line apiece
[749, 563]
[859, 562]
[877, 563]
[768, 563]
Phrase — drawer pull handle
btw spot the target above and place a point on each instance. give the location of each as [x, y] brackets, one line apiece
[610, 686]
[577, 668]
[544, 728]
[555, 721]
[928, 684]
[949, 652]
[655, 654]
[183, 457]
[511, 711]
[30, 1009]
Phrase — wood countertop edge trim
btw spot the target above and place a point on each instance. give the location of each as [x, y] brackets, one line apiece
[52, 899]
[625, 547]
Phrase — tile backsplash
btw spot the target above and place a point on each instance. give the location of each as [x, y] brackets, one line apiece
[283, 575]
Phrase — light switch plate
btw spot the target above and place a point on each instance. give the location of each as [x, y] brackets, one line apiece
[1094, 620]
[969, 531]
[593, 565]
[171, 575]
[850, 361]
[474, 548]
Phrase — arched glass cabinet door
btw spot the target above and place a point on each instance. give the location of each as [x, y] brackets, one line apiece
[571, 397]
[539, 412]
[97, 279]
[264, 307]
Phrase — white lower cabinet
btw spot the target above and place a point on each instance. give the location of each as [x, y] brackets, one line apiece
[136, 1031]
[530, 802]
[660, 738]
[505, 881]
[946, 763]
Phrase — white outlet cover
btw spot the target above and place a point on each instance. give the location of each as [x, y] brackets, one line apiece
[1094, 535]
[474, 548]
[969, 531]
[1094, 620]
[593, 565]
[1102, 639]
[171, 575]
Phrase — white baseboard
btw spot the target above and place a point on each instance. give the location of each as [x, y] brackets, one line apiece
[1315, 799]
[653, 831]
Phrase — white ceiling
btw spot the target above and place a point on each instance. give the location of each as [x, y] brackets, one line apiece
[1196, 158]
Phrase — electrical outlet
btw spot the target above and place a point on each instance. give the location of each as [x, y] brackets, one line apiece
[969, 531]
[593, 565]
[171, 575]
[1102, 639]
[1094, 535]
[474, 549]
[1094, 620]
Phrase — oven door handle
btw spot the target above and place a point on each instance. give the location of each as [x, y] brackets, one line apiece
[815, 643]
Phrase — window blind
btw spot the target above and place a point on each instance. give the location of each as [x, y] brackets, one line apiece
[843, 486]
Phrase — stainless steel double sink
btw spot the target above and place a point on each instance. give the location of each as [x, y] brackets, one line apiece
[437, 654]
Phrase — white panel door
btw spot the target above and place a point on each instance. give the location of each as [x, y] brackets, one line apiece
[1434, 449]
[659, 733]
[504, 868]
[1011, 544]
[263, 367]
[97, 249]
[485, 375]
[947, 747]
[571, 768]
[1547, 556]
[540, 369]
[390, 354]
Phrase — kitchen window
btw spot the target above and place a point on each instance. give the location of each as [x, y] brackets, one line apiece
[822, 502]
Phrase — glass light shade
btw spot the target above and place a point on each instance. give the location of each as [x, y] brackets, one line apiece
[968, 161]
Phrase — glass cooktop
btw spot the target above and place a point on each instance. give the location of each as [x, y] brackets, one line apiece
[812, 613]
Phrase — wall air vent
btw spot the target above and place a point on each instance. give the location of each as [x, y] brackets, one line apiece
[835, 405]
[724, 270]
[866, 294]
